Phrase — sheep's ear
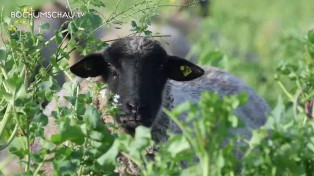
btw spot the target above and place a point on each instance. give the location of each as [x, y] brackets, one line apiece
[180, 69]
[90, 66]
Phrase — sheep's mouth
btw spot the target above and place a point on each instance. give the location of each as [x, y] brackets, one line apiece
[130, 122]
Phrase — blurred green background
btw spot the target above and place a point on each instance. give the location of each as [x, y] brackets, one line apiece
[250, 38]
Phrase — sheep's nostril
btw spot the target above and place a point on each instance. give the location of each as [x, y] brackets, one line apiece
[132, 106]
[138, 117]
[135, 108]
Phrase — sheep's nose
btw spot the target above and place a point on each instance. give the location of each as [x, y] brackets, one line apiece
[134, 107]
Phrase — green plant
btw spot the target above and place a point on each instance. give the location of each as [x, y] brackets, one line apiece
[26, 84]
[83, 144]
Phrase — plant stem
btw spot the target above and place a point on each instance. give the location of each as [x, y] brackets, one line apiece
[84, 152]
[10, 139]
[40, 165]
[205, 164]
[285, 91]
[3, 71]
[5, 119]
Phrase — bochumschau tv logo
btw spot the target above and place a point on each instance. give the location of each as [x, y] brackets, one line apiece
[29, 12]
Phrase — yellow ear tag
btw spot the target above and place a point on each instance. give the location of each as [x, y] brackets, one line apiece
[186, 70]
[88, 66]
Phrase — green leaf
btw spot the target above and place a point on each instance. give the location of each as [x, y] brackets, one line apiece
[73, 134]
[142, 132]
[58, 37]
[97, 3]
[233, 120]
[13, 84]
[98, 136]
[148, 33]
[177, 145]
[41, 118]
[88, 21]
[142, 140]
[110, 156]
[18, 152]
[257, 137]
[17, 149]
[310, 36]
[45, 26]
[47, 145]
[3, 54]
[21, 93]
[64, 167]
[93, 116]
[72, 42]
[276, 114]
[8, 97]
[57, 139]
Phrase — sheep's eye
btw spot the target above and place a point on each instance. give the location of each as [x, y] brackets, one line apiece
[113, 70]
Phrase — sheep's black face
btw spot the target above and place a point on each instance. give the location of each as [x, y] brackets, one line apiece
[136, 74]
[136, 69]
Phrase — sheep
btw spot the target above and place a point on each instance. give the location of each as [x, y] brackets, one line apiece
[146, 78]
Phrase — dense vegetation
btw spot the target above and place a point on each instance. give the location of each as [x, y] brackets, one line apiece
[267, 43]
